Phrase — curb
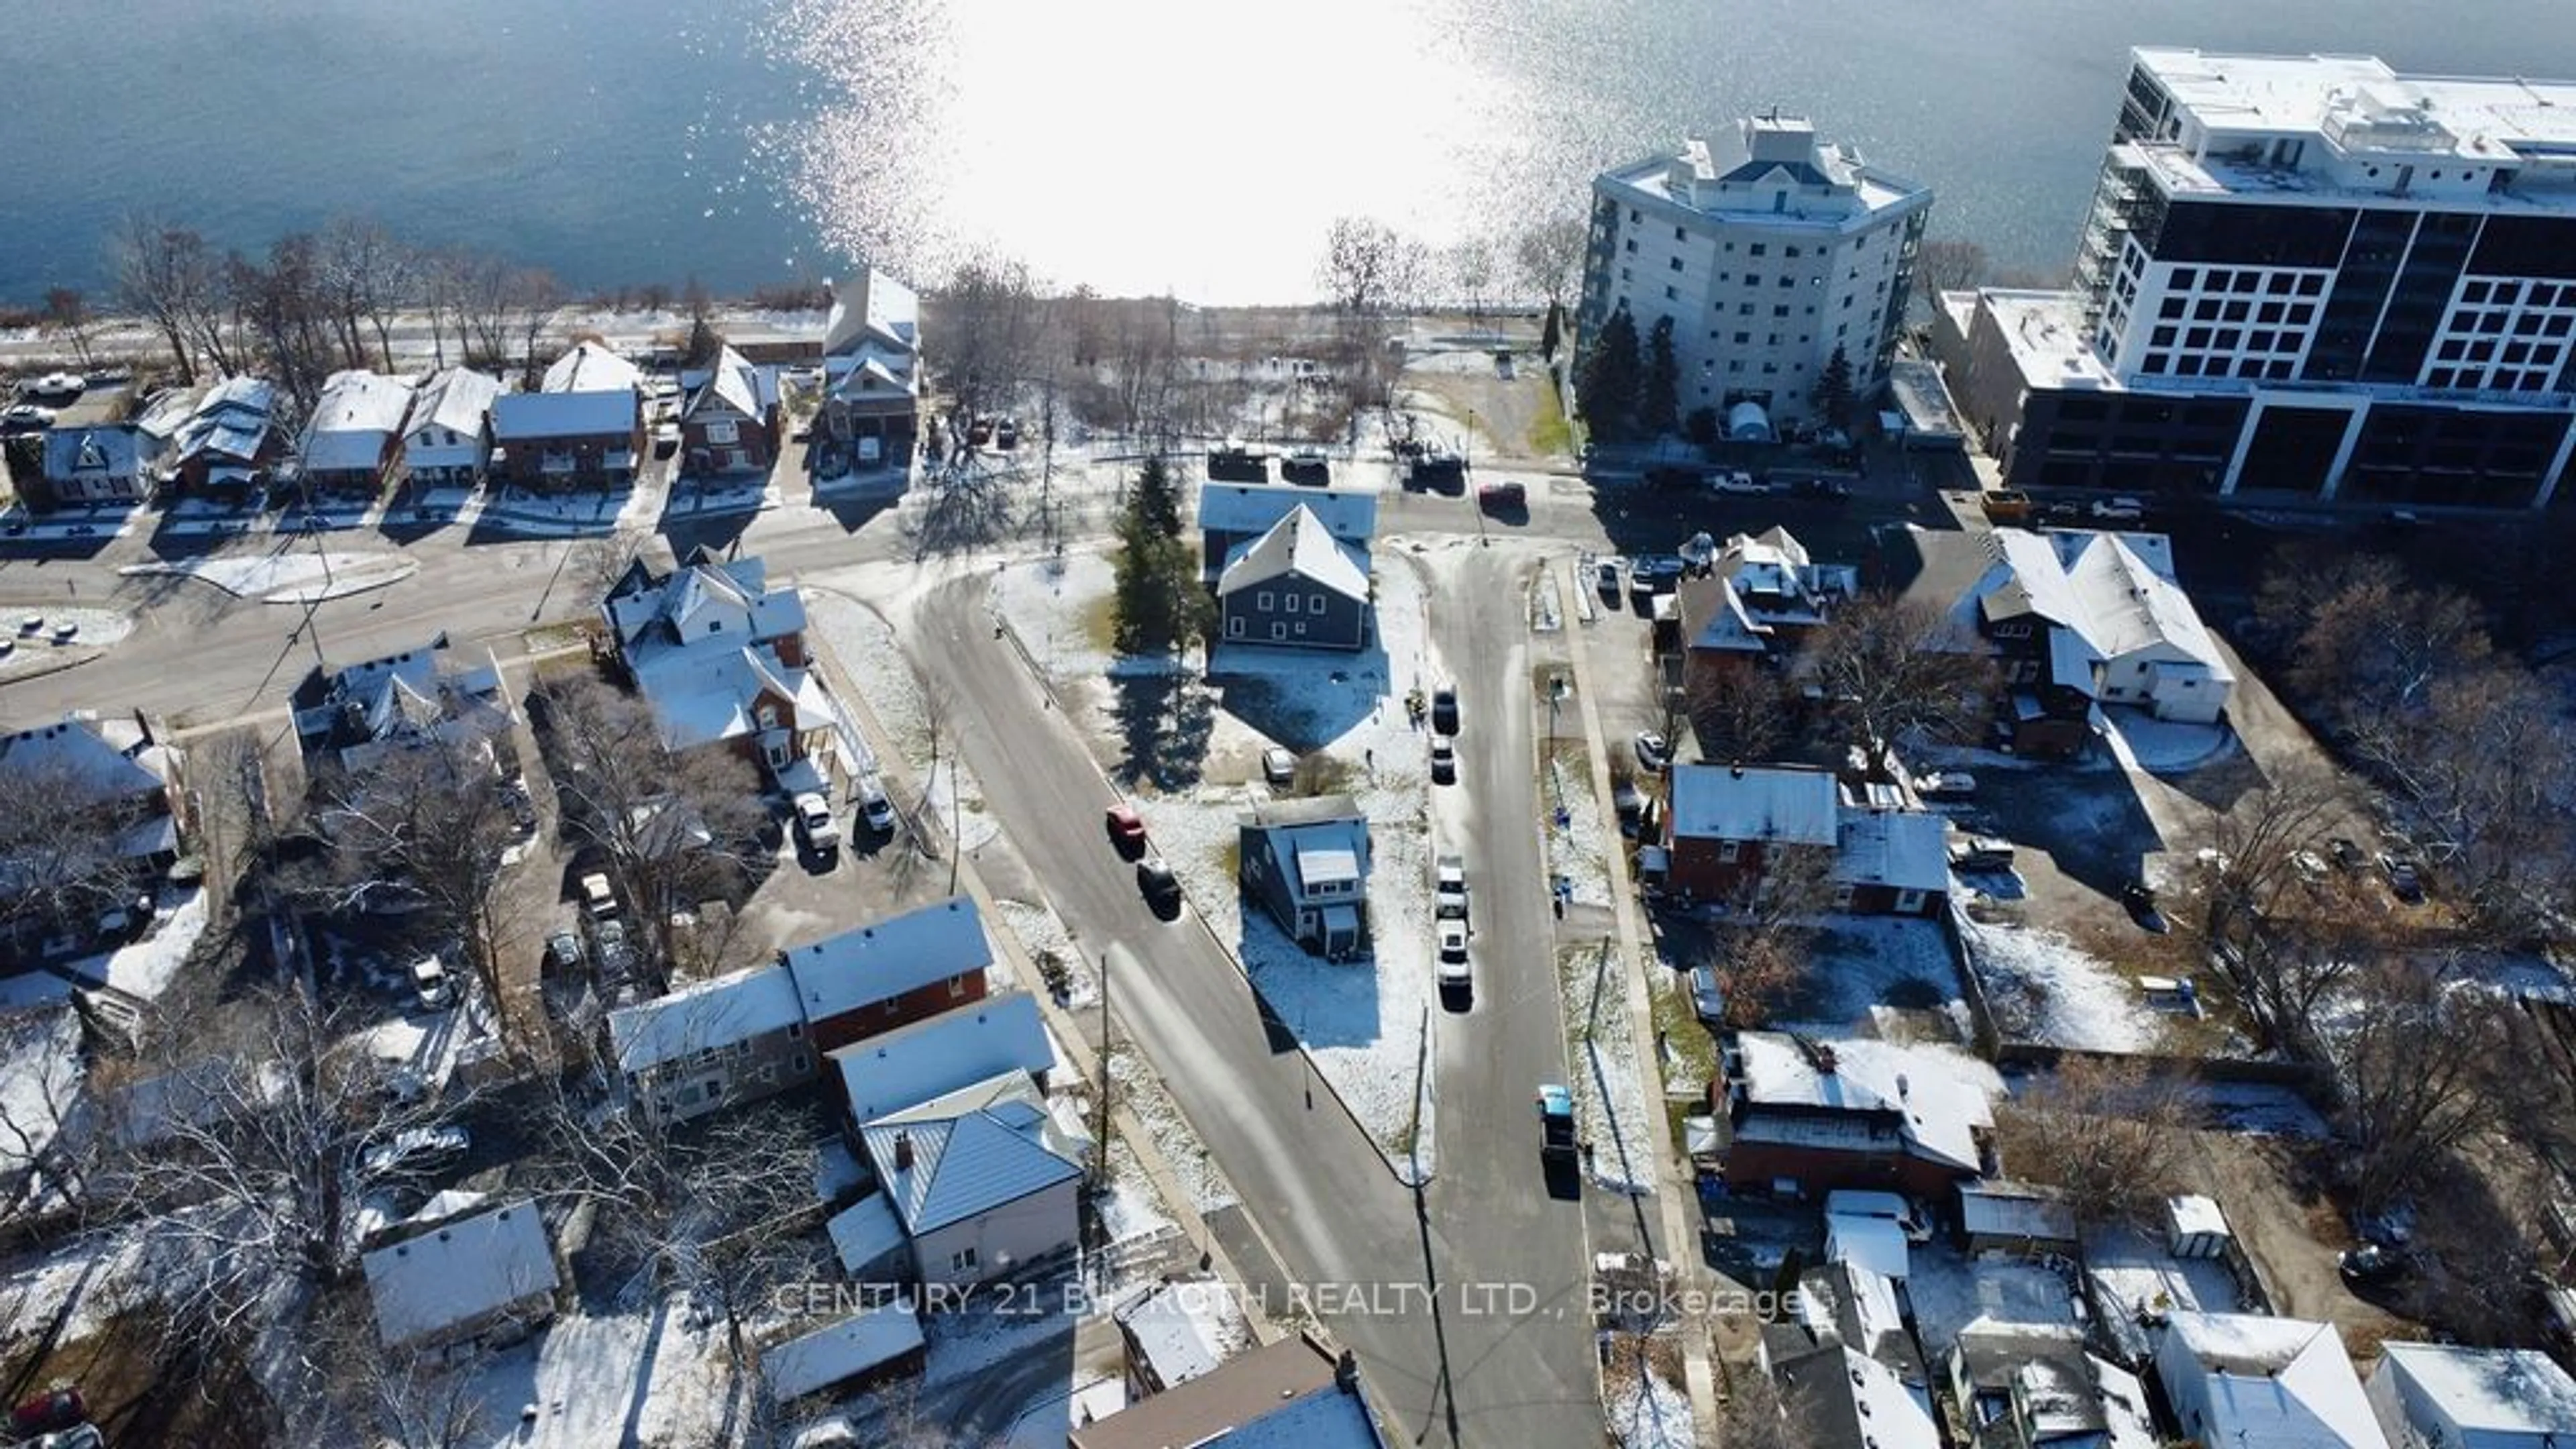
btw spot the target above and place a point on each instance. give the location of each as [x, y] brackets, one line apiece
[1403, 1174]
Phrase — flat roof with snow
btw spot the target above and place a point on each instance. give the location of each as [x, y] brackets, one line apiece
[842, 1352]
[459, 1272]
[1754, 802]
[1179, 1328]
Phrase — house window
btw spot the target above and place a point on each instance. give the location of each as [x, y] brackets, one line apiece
[1314, 603]
[961, 1260]
[956, 986]
[1301, 628]
[1726, 852]
[1909, 901]
[795, 1029]
[1293, 602]
[1278, 629]
[1261, 601]
[1234, 626]
[804, 1064]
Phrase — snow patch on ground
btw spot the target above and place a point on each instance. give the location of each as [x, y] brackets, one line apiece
[1858, 962]
[145, 968]
[289, 576]
[1645, 1412]
[1610, 1100]
[2166, 747]
[633, 1378]
[1577, 851]
[97, 629]
[1050, 603]
[1142, 1094]
[2043, 988]
[1040, 932]
[1130, 1210]
[866, 648]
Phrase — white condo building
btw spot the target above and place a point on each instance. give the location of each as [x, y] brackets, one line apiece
[1770, 249]
[2301, 276]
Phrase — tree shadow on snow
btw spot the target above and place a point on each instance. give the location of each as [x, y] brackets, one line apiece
[1302, 698]
[1164, 723]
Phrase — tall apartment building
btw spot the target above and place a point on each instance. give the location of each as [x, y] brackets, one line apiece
[2306, 276]
[1770, 249]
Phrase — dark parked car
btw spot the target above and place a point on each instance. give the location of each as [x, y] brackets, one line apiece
[2346, 855]
[1160, 888]
[2403, 882]
[50, 1412]
[1829, 490]
[1673, 477]
[1444, 761]
[2372, 1265]
[1444, 711]
[2140, 898]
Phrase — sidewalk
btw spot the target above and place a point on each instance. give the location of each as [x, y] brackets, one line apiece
[1675, 1191]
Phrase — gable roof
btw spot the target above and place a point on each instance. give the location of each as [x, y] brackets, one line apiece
[970, 1151]
[357, 414]
[2504, 1391]
[464, 1269]
[845, 1350]
[2280, 1382]
[1297, 544]
[872, 310]
[1280, 1396]
[114, 450]
[76, 747]
[1319, 838]
[459, 400]
[1841, 1391]
[721, 1012]
[879, 962]
[2130, 602]
[1793, 806]
[732, 382]
[915, 1063]
[1257, 508]
[591, 367]
[522, 416]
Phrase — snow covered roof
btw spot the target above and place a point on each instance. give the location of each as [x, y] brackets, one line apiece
[2115, 592]
[873, 963]
[2283, 1383]
[2068, 1393]
[1871, 1243]
[1792, 805]
[1298, 544]
[357, 415]
[77, 749]
[2478, 1392]
[1279, 1396]
[458, 1272]
[592, 367]
[1179, 1329]
[707, 601]
[717, 1013]
[114, 451]
[1843, 1391]
[1257, 508]
[2013, 1210]
[1943, 1099]
[842, 1352]
[865, 1233]
[733, 382]
[1713, 616]
[966, 1153]
[1901, 849]
[873, 310]
[459, 400]
[2192, 1215]
[913, 1064]
[537, 416]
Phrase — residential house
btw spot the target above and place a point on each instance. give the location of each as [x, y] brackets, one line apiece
[1805, 1117]
[871, 373]
[229, 440]
[356, 715]
[729, 423]
[877, 1346]
[2033, 1386]
[447, 441]
[1849, 1365]
[2283, 1383]
[1296, 1391]
[892, 973]
[892, 1071]
[1761, 596]
[1173, 1332]
[720, 658]
[1888, 861]
[1297, 586]
[2443, 1396]
[106, 463]
[1233, 515]
[985, 1182]
[487, 1276]
[1307, 863]
[1744, 832]
[107, 783]
[353, 440]
[712, 1045]
[584, 428]
[868, 1239]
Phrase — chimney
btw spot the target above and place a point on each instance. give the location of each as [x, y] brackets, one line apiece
[1904, 1088]
[1825, 1059]
[1346, 1373]
[903, 1152]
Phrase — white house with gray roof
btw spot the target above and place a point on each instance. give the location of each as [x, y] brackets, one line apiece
[2443, 1396]
[985, 1182]
[720, 657]
[2282, 1383]
[448, 437]
[1298, 586]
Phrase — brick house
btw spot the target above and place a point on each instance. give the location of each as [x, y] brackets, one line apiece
[353, 441]
[1733, 826]
[889, 974]
[1805, 1118]
[583, 428]
[730, 422]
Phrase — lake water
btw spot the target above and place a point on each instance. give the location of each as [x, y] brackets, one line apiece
[1200, 146]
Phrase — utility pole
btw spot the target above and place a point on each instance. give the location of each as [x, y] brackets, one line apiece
[1101, 1143]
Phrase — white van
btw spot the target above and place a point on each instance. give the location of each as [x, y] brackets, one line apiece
[875, 806]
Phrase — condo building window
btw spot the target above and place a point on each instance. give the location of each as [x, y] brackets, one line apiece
[2278, 370]
[1753, 279]
[2196, 337]
[1745, 310]
[2186, 277]
[1632, 246]
[2310, 286]
[2205, 311]
[1760, 249]
[1675, 263]
[2171, 309]
[2155, 364]
[1775, 339]
[2229, 339]
[1633, 216]
[1779, 311]
[2236, 311]
[1670, 295]
[2299, 315]
[2278, 283]
[1791, 252]
[2161, 337]
[1741, 338]
[2269, 312]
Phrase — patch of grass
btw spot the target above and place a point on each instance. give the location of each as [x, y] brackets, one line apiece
[1323, 774]
[1100, 623]
[1231, 856]
[555, 636]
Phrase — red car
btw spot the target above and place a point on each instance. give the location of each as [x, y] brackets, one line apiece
[49, 1412]
[1126, 829]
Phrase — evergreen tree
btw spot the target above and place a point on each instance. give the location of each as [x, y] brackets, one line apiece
[1605, 387]
[1659, 396]
[1159, 603]
[1551, 332]
[1156, 499]
[1834, 391]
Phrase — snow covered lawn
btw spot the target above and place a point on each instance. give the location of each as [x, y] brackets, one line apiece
[144, 968]
[2043, 988]
[1610, 1099]
[1055, 605]
[1577, 851]
[95, 628]
[639, 1378]
[290, 575]
[1646, 1409]
[1861, 962]
[863, 644]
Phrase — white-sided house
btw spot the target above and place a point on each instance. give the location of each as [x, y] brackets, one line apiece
[873, 1347]
[428, 693]
[871, 375]
[102, 463]
[447, 441]
[712, 1045]
[720, 657]
[354, 437]
[2120, 628]
[984, 1181]
[911, 1065]
[1307, 862]
[2283, 1383]
[2442, 1396]
[489, 1275]
[1297, 586]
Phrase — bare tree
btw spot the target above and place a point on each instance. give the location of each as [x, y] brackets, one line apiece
[1755, 1414]
[1548, 258]
[167, 274]
[67, 315]
[1471, 265]
[1738, 712]
[598, 562]
[992, 323]
[2282, 952]
[288, 312]
[427, 818]
[674, 829]
[62, 852]
[2106, 1132]
[2414, 1058]
[347, 1387]
[369, 277]
[42, 1157]
[530, 302]
[1887, 665]
[1766, 947]
[1946, 264]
